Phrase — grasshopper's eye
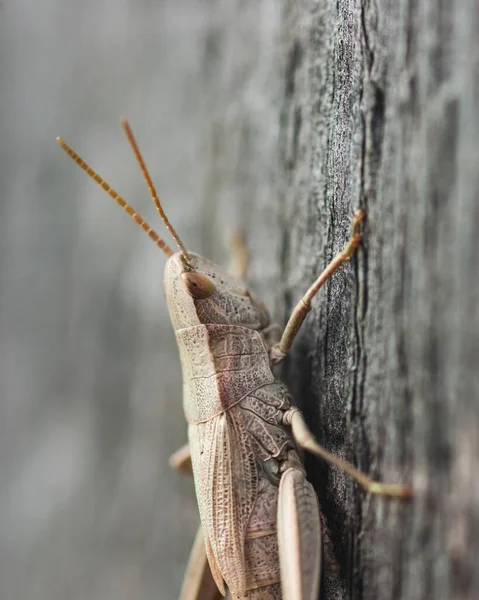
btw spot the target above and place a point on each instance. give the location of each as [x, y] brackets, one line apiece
[198, 285]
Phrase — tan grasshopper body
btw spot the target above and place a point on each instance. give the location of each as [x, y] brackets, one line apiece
[240, 447]
[259, 514]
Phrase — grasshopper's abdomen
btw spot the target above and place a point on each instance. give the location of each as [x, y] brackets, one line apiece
[239, 447]
[261, 414]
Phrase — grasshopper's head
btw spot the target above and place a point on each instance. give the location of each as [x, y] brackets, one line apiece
[197, 290]
[200, 292]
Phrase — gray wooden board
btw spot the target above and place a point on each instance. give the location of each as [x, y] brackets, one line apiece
[381, 109]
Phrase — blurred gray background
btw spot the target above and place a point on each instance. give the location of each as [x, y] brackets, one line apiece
[90, 404]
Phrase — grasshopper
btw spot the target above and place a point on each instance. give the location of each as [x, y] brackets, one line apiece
[260, 534]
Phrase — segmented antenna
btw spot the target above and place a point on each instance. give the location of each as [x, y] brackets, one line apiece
[111, 192]
[131, 138]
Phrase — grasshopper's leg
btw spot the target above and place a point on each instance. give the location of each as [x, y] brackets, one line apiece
[299, 537]
[181, 460]
[198, 583]
[279, 351]
[239, 254]
[306, 440]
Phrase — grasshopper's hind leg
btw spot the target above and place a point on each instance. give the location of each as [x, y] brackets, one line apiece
[299, 537]
[198, 583]
[305, 439]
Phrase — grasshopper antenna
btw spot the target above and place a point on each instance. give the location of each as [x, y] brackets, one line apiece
[111, 192]
[131, 138]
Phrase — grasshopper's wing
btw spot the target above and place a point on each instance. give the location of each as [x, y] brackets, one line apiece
[226, 481]
[299, 537]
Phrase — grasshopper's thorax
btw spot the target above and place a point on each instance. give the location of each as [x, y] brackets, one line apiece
[222, 351]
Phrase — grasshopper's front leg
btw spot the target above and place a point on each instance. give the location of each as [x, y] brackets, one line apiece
[280, 350]
[239, 254]
[181, 460]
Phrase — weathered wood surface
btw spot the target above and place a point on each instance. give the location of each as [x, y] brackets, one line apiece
[281, 119]
[382, 109]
